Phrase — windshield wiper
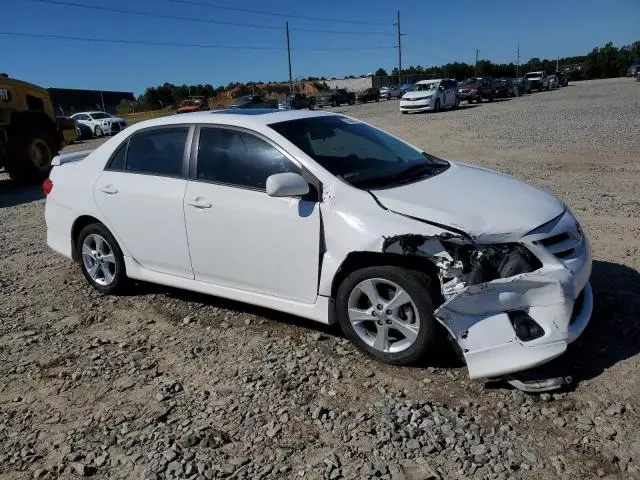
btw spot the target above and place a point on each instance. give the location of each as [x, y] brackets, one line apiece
[406, 174]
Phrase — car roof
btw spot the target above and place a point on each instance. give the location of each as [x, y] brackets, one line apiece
[426, 82]
[249, 117]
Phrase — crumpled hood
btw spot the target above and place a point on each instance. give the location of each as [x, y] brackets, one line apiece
[476, 200]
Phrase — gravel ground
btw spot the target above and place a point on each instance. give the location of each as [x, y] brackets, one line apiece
[164, 383]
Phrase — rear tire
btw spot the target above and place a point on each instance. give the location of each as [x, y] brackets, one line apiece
[413, 315]
[30, 155]
[97, 248]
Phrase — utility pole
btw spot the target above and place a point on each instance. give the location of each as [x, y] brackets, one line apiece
[476, 74]
[557, 62]
[518, 64]
[289, 56]
[399, 52]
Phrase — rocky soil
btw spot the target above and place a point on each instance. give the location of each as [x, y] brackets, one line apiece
[164, 383]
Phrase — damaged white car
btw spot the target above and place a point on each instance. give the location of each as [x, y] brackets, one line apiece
[326, 217]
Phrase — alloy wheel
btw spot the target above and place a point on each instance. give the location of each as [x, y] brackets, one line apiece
[98, 259]
[383, 315]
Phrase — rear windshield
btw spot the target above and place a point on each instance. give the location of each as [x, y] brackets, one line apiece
[362, 156]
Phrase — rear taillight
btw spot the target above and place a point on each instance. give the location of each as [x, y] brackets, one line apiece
[47, 186]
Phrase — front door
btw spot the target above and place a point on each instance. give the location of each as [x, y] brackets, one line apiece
[141, 194]
[239, 236]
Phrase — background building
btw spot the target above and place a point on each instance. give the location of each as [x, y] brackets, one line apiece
[68, 101]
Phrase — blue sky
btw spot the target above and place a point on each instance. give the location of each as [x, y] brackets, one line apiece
[436, 33]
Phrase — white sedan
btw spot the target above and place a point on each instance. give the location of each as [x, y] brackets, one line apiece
[101, 123]
[430, 95]
[326, 217]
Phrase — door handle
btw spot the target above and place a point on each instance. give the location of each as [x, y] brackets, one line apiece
[198, 203]
[109, 189]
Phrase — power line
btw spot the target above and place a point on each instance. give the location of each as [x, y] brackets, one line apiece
[195, 19]
[276, 14]
[178, 44]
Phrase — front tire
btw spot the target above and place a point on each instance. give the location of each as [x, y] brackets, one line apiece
[97, 131]
[387, 313]
[101, 259]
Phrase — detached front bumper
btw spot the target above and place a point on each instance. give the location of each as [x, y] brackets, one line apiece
[557, 296]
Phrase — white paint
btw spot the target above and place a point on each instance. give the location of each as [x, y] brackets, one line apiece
[250, 241]
[246, 245]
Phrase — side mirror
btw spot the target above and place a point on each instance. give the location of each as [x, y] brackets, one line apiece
[441, 88]
[287, 185]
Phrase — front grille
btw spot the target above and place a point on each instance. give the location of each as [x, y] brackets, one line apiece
[577, 307]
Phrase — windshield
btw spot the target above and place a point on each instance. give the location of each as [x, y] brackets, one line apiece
[472, 81]
[419, 87]
[362, 156]
[532, 75]
[98, 116]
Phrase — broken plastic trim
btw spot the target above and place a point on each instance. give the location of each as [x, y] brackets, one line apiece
[539, 385]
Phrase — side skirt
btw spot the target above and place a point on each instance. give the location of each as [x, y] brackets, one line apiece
[318, 311]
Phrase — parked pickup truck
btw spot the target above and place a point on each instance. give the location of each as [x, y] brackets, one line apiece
[193, 104]
[335, 98]
[539, 80]
[477, 88]
[296, 101]
[253, 101]
[369, 95]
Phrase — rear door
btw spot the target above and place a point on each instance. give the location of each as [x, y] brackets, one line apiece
[239, 236]
[141, 194]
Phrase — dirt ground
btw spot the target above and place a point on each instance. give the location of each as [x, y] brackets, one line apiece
[163, 383]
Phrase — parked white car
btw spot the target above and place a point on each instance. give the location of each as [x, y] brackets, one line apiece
[539, 80]
[101, 123]
[430, 95]
[326, 217]
[553, 81]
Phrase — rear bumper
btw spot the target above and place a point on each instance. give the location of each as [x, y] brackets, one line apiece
[59, 220]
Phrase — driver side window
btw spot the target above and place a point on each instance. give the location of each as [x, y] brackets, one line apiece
[238, 158]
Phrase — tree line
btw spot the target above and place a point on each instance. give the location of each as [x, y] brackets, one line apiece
[603, 62]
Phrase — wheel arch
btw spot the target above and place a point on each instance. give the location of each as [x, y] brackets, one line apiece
[79, 223]
[357, 260]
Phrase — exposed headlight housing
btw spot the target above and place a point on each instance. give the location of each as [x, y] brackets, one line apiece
[484, 263]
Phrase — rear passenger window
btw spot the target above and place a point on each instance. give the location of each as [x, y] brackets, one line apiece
[117, 161]
[238, 158]
[158, 152]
